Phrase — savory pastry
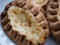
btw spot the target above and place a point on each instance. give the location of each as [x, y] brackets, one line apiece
[53, 16]
[37, 3]
[24, 24]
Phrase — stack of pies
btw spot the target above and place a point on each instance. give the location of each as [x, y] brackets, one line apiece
[26, 23]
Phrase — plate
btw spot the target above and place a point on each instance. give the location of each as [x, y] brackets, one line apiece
[4, 40]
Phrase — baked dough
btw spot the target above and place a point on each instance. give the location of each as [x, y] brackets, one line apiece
[38, 3]
[24, 25]
[53, 16]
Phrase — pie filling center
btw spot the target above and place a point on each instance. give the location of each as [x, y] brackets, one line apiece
[25, 23]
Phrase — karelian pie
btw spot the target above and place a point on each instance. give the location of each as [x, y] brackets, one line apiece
[37, 3]
[24, 23]
[53, 17]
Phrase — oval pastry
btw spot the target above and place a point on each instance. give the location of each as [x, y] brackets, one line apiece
[24, 27]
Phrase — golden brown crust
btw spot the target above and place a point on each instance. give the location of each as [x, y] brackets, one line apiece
[37, 3]
[14, 35]
[52, 16]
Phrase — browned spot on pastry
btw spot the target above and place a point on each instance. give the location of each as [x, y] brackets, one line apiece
[55, 0]
[7, 27]
[35, 11]
[21, 3]
[28, 6]
[3, 14]
[30, 43]
[39, 44]
[53, 5]
[52, 18]
[23, 37]
[40, 17]
[14, 33]
[8, 5]
[5, 21]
